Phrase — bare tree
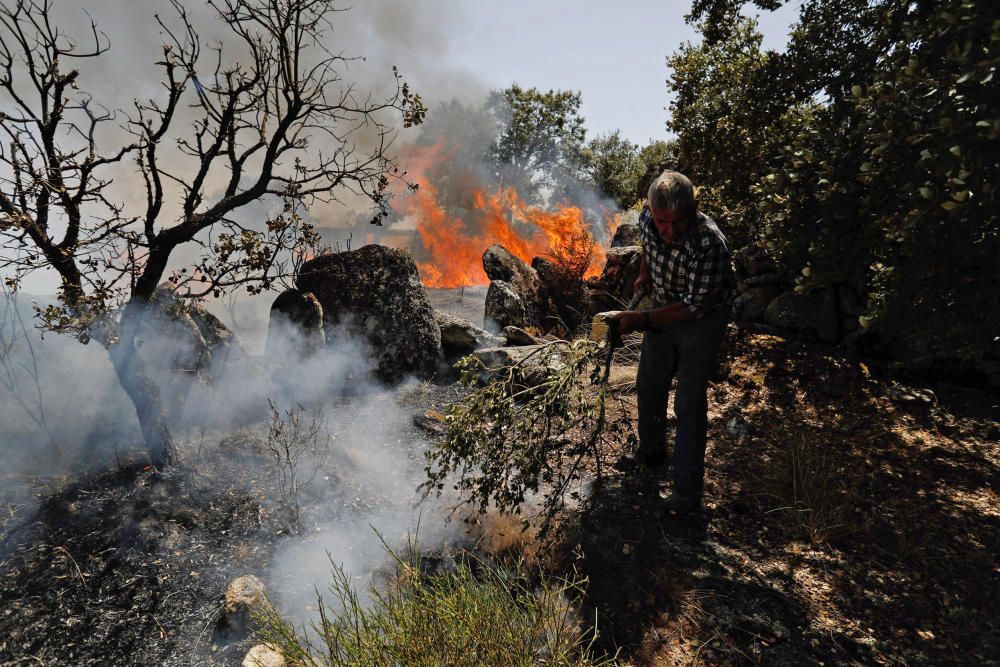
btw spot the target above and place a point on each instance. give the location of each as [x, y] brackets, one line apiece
[272, 119]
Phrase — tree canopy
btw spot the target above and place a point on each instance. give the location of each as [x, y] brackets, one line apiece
[864, 156]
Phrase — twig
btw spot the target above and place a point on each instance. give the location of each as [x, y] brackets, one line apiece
[73, 560]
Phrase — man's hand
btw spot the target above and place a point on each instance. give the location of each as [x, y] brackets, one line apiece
[629, 321]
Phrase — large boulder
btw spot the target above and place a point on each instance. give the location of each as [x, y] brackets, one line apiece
[502, 265]
[460, 337]
[517, 337]
[617, 283]
[627, 234]
[296, 326]
[168, 338]
[566, 295]
[811, 313]
[375, 292]
[750, 304]
[504, 307]
[533, 363]
[189, 353]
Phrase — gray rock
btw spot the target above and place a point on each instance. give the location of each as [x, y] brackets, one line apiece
[758, 281]
[376, 292]
[809, 313]
[621, 268]
[295, 325]
[500, 264]
[517, 337]
[188, 352]
[504, 307]
[627, 234]
[243, 595]
[263, 655]
[749, 306]
[565, 296]
[753, 260]
[460, 337]
[533, 361]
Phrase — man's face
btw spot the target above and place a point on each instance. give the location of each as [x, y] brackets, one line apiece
[672, 223]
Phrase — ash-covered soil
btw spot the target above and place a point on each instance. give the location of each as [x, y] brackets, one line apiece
[467, 303]
[129, 566]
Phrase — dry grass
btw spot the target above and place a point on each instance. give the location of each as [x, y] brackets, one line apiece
[816, 494]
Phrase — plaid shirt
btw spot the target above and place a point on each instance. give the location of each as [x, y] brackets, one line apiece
[696, 270]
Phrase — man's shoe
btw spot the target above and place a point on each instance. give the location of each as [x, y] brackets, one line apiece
[682, 504]
[632, 462]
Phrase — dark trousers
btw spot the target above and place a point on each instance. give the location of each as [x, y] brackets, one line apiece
[687, 351]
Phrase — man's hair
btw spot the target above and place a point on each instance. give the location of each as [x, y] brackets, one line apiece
[671, 190]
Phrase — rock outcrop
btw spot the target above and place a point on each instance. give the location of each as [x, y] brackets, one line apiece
[807, 313]
[627, 234]
[616, 285]
[375, 292]
[517, 299]
[295, 326]
[188, 351]
[460, 337]
[758, 283]
[566, 295]
[504, 307]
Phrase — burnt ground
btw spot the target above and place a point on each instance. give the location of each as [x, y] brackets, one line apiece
[849, 520]
[128, 566]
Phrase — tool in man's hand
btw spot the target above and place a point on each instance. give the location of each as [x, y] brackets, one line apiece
[605, 325]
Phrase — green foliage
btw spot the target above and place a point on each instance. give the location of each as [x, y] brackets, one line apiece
[723, 132]
[864, 157]
[614, 165]
[525, 431]
[622, 170]
[540, 137]
[474, 614]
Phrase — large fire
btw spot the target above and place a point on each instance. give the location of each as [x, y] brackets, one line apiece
[455, 246]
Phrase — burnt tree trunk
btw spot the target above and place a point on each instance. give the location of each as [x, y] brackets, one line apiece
[141, 390]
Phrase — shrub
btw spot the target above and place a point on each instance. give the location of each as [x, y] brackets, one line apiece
[527, 430]
[472, 614]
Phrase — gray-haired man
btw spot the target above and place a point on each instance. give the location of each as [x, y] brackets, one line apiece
[686, 262]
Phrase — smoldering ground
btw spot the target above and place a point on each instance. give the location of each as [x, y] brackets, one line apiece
[121, 564]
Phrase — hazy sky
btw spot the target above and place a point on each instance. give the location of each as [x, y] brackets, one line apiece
[614, 53]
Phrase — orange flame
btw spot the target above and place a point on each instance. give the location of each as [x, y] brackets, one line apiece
[455, 246]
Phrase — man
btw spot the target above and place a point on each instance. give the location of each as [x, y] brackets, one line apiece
[686, 263]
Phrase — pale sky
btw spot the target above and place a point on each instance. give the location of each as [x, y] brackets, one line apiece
[614, 53]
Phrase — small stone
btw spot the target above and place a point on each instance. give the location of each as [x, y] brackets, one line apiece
[243, 593]
[263, 655]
